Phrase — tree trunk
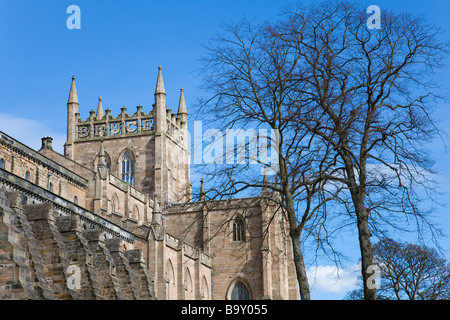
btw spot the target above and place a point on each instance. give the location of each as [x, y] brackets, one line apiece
[294, 231]
[366, 253]
[300, 267]
[362, 221]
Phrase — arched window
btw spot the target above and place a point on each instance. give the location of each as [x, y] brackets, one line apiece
[240, 291]
[2, 164]
[128, 168]
[75, 200]
[238, 229]
[27, 176]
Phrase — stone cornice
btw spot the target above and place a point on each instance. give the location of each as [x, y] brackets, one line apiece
[25, 151]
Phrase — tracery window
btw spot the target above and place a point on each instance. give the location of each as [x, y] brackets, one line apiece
[128, 168]
[238, 229]
[240, 291]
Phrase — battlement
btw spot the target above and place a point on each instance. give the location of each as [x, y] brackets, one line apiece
[140, 123]
[108, 126]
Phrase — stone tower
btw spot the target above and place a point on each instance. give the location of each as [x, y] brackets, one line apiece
[147, 149]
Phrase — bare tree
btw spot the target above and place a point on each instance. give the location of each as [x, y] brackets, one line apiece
[351, 107]
[409, 272]
[368, 94]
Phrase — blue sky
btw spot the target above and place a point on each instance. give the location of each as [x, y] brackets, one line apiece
[116, 54]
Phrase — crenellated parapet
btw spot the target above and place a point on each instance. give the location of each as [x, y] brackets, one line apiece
[110, 126]
[125, 124]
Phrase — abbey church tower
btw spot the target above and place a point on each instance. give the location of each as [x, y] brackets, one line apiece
[147, 149]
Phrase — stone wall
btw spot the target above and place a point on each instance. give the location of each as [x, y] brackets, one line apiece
[45, 255]
[262, 260]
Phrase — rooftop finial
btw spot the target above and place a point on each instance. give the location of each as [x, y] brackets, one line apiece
[100, 109]
[160, 82]
[182, 104]
[265, 188]
[73, 97]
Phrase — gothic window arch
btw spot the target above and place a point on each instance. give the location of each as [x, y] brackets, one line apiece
[75, 200]
[127, 165]
[115, 205]
[239, 229]
[2, 164]
[135, 213]
[27, 175]
[204, 289]
[188, 284]
[239, 290]
[170, 279]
